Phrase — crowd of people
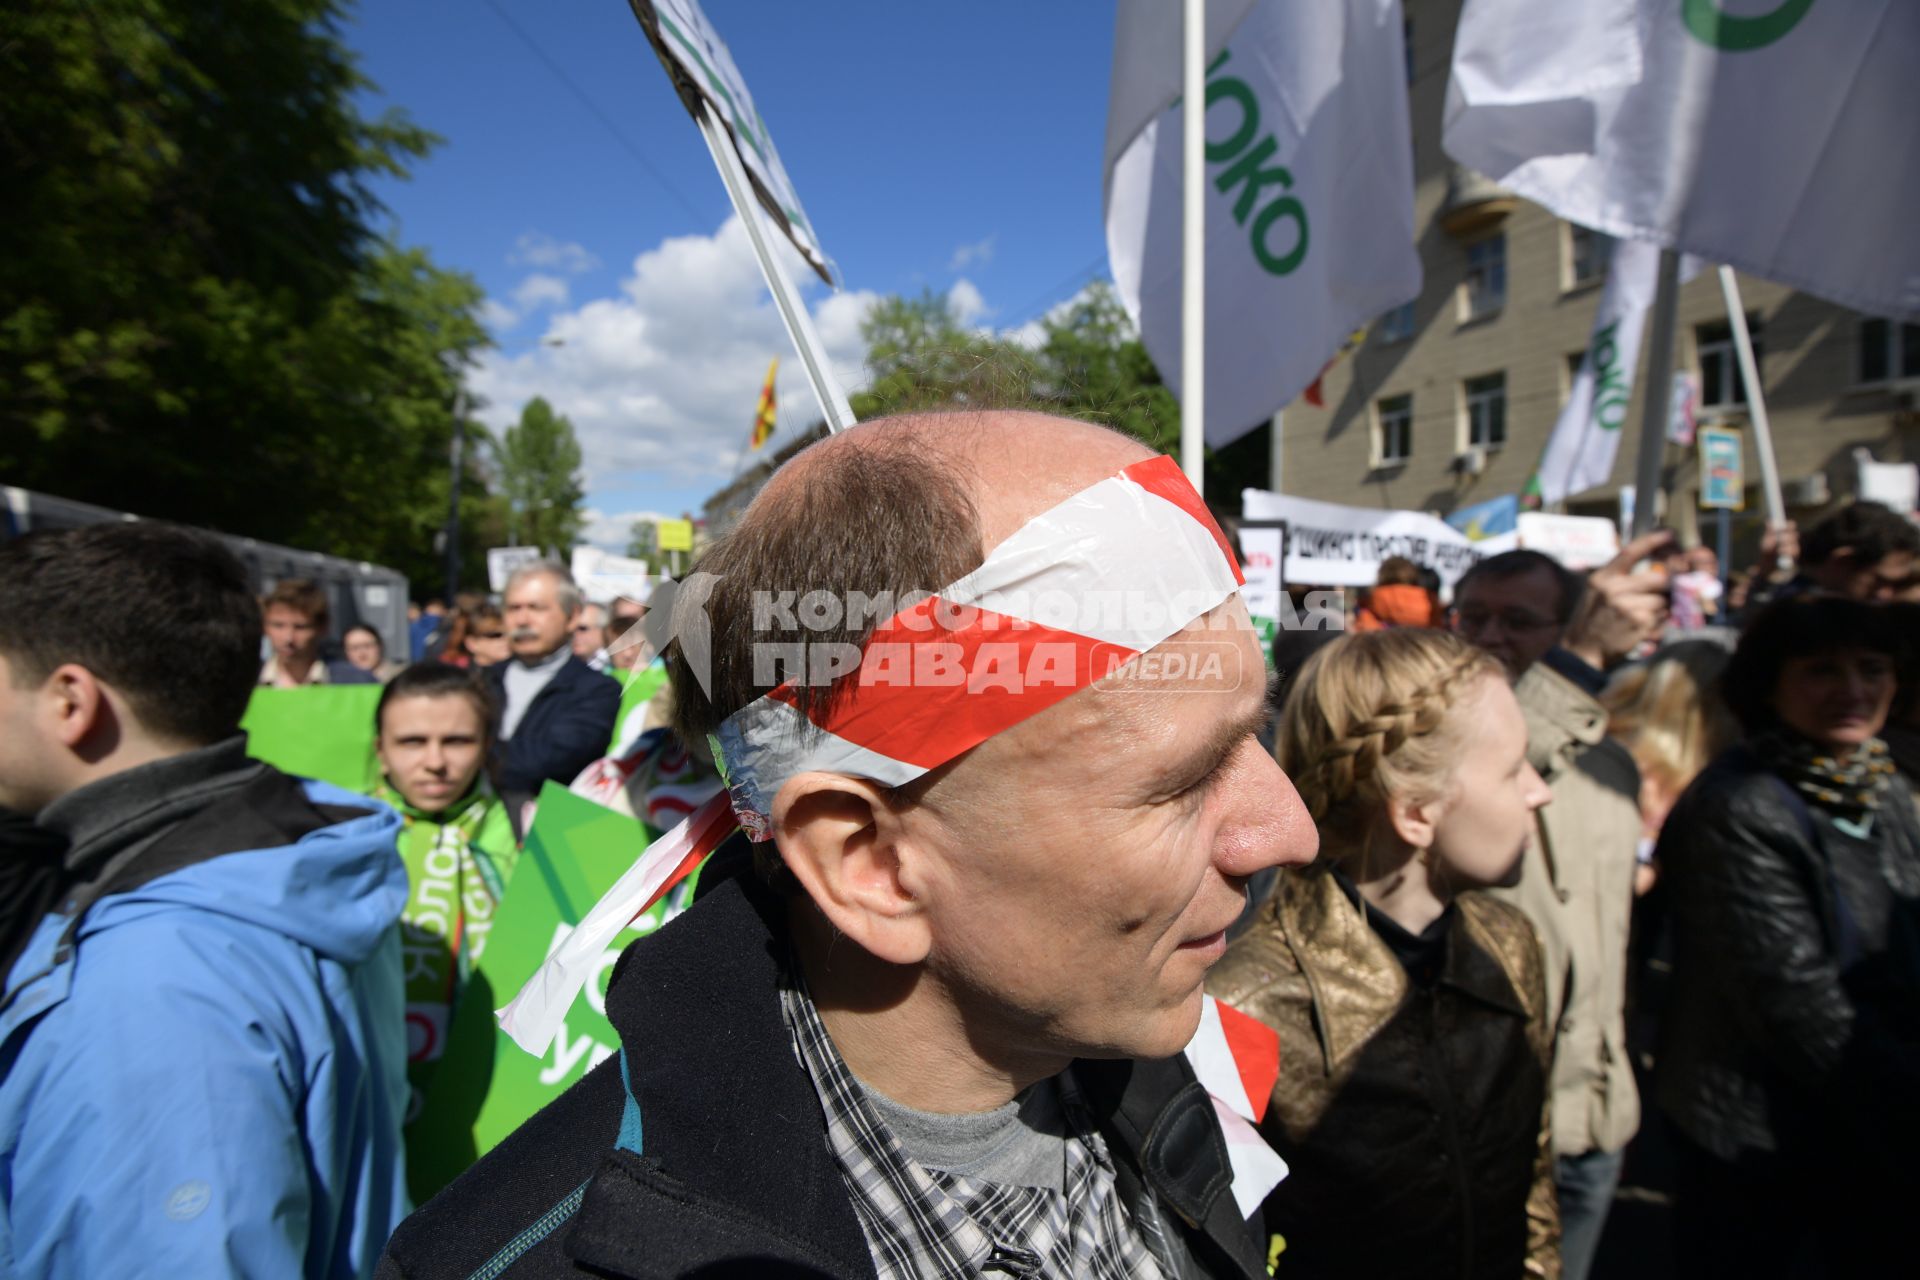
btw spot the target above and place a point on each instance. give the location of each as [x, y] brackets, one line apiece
[933, 1024]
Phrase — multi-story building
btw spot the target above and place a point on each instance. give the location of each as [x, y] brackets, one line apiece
[1449, 400]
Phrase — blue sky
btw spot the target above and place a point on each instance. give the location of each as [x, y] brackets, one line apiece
[951, 147]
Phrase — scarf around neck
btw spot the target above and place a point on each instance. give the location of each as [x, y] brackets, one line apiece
[1852, 789]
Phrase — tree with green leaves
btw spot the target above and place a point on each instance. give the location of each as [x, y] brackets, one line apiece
[198, 319]
[643, 541]
[539, 460]
[919, 356]
[1089, 363]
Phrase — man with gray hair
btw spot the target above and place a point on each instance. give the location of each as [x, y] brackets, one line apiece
[557, 712]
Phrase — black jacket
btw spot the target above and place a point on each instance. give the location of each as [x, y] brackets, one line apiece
[1790, 1023]
[715, 1162]
[567, 726]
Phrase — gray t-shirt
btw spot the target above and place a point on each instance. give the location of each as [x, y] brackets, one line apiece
[524, 683]
[1023, 1144]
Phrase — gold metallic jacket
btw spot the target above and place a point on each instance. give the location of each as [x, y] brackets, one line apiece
[1393, 1103]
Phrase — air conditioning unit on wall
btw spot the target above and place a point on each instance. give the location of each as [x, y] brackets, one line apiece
[1808, 491]
[1471, 461]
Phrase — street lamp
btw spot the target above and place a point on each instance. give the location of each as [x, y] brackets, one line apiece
[459, 455]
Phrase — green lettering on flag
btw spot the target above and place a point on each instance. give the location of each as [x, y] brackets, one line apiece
[485, 1086]
[1711, 24]
[323, 731]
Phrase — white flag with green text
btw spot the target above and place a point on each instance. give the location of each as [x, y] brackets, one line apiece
[1781, 137]
[1309, 190]
[1586, 438]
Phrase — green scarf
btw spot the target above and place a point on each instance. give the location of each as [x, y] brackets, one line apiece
[458, 863]
[1850, 791]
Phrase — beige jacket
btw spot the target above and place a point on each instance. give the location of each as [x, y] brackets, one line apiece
[1577, 888]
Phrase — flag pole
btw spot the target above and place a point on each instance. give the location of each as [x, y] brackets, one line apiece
[813, 357]
[1653, 406]
[1193, 235]
[1756, 397]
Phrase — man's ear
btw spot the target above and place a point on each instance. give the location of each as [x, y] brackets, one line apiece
[75, 711]
[842, 841]
[1414, 822]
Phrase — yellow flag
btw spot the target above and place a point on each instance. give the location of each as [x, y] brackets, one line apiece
[763, 420]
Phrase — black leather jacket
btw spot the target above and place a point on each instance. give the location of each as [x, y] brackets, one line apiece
[1792, 1021]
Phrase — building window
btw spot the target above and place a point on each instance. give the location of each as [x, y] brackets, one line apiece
[1721, 386]
[1484, 291]
[1588, 253]
[1486, 411]
[1397, 325]
[1888, 351]
[1574, 361]
[1392, 430]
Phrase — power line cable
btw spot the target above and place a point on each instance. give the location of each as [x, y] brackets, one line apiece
[1045, 301]
[598, 114]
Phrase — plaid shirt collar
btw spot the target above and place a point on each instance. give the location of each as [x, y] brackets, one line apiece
[922, 1223]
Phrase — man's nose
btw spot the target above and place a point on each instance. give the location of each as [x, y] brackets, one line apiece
[1270, 826]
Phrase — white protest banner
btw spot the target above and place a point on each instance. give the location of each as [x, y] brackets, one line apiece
[1331, 545]
[604, 577]
[1309, 224]
[1578, 542]
[502, 561]
[1260, 552]
[1776, 136]
[703, 72]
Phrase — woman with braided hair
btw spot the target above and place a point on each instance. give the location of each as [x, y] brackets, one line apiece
[1412, 1099]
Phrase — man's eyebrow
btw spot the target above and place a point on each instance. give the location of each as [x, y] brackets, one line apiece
[1226, 736]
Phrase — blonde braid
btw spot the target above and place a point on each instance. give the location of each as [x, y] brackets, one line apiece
[1368, 718]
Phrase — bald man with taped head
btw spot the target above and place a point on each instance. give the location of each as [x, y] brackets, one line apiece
[984, 688]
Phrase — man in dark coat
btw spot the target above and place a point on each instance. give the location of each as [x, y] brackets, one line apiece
[930, 1027]
[557, 712]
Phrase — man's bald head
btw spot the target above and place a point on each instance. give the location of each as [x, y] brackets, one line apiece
[886, 511]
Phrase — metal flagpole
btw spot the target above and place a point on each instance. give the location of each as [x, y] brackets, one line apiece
[1653, 407]
[1276, 455]
[1756, 398]
[1193, 234]
[813, 356]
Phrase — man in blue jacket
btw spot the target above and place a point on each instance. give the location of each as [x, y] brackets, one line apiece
[557, 713]
[202, 1053]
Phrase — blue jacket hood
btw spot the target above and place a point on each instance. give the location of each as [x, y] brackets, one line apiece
[337, 890]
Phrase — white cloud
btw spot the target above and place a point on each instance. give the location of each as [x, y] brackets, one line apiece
[497, 316]
[538, 249]
[661, 378]
[610, 532]
[965, 302]
[980, 252]
[541, 290]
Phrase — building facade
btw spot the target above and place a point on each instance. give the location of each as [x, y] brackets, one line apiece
[1449, 401]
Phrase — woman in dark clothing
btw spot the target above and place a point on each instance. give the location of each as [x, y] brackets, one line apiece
[1789, 1055]
[1412, 1100]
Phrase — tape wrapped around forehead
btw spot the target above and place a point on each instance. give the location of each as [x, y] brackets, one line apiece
[1076, 591]
[1070, 596]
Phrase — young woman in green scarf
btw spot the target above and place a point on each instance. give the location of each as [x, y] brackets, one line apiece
[434, 728]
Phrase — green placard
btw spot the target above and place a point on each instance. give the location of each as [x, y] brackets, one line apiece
[486, 1086]
[637, 690]
[322, 731]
